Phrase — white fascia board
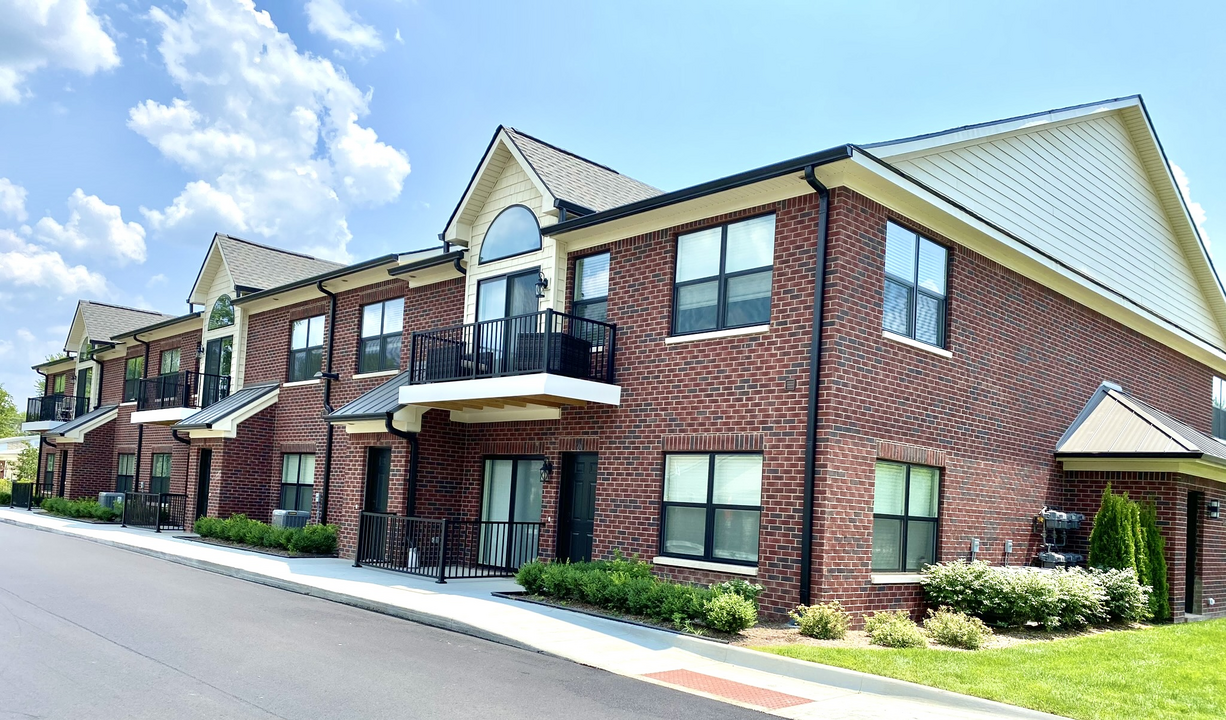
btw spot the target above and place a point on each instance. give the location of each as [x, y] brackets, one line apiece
[898, 149]
[162, 416]
[78, 435]
[510, 387]
[40, 426]
[894, 189]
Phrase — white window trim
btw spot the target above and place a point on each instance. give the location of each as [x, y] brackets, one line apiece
[705, 565]
[717, 334]
[904, 340]
[300, 383]
[889, 578]
[127, 404]
[381, 373]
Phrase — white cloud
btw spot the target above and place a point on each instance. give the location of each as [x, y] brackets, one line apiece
[159, 279]
[1196, 209]
[330, 19]
[50, 33]
[398, 38]
[271, 133]
[96, 228]
[13, 200]
[24, 265]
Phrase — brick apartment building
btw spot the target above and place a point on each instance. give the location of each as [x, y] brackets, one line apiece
[1010, 315]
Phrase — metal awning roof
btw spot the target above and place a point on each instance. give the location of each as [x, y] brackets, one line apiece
[1114, 424]
[84, 423]
[223, 409]
[373, 405]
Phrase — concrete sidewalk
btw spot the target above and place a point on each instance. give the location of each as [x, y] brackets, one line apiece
[778, 685]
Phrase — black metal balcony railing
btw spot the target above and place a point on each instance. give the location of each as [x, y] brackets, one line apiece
[157, 511]
[543, 342]
[187, 389]
[446, 549]
[57, 408]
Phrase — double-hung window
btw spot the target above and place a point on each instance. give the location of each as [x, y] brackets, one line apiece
[49, 474]
[60, 382]
[306, 348]
[915, 273]
[1219, 408]
[169, 364]
[382, 324]
[712, 507]
[905, 517]
[724, 276]
[133, 371]
[592, 287]
[297, 481]
[125, 473]
[159, 480]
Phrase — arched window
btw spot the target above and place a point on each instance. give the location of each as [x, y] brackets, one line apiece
[223, 313]
[87, 350]
[514, 232]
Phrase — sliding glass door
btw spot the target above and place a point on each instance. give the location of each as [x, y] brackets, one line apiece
[510, 511]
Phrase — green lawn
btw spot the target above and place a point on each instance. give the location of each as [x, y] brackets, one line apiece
[1173, 671]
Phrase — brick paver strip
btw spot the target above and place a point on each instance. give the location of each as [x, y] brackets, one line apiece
[720, 687]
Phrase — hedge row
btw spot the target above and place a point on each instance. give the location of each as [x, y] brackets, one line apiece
[312, 539]
[628, 586]
[81, 509]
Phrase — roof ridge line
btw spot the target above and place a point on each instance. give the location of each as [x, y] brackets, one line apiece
[125, 307]
[567, 152]
[252, 243]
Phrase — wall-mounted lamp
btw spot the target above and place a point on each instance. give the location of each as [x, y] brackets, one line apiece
[542, 284]
[1214, 509]
[199, 350]
[546, 471]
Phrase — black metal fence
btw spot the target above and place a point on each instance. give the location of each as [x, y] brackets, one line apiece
[548, 341]
[57, 408]
[187, 389]
[157, 511]
[445, 549]
[22, 496]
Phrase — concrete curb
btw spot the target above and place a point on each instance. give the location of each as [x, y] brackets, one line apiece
[731, 654]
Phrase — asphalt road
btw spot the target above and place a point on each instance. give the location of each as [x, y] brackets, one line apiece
[89, 631]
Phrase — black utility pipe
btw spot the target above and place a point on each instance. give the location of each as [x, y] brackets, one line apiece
[187, 466]
[47, 388]
[815, 371]
[328, 441]
[410, 502]
[140, 429]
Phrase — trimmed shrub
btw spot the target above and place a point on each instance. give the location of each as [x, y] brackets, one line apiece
[79, 509]
[955, 629]
[529, 576]
[6, 497]
[1155, 557]
[744, 588]
[729, 612]
[1113, 537]
[1126, 599]
[895, 630]
[312, 539]
[828, 621]
[1080, 600]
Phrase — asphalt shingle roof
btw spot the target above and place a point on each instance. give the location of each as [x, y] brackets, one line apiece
[103, 323]
[375, 403]
[223, 408]
[259, 267]
[579, 180]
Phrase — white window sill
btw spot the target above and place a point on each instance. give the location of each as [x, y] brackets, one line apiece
[127, 404]
[381, 373]
[896, 578]
[904, 340]
[706, 565]
[300, 383]
[717, 334]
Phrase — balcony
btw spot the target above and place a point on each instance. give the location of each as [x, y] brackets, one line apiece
[525, 367]
[167, 399]
[44, 413]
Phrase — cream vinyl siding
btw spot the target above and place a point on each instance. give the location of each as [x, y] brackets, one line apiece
[513, 187]
[221, 284]
[1080, 192]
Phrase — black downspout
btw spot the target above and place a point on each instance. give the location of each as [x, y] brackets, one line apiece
[815, 371]
[47, 388]
[410, 501]
[187, 466]
[459, 269]
[140, 429]
[63, 470]
[328, 441]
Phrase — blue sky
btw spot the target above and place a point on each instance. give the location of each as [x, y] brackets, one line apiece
[130, 131]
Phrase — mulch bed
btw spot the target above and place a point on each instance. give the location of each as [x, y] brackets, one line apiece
[594, 611]
[276, 552]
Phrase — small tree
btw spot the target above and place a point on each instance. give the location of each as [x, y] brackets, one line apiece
[27, 464]
[1140, 561]
[1113, 539]
[1159, 599]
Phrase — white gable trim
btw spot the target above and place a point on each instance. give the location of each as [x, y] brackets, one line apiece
[458, 229]
[205, 278]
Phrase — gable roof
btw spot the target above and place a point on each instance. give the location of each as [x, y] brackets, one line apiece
[576, 179]
[101, 322]
[1116, 424]
[254, 267]
[1090, 186]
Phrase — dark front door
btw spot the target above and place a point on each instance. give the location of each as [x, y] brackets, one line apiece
[204, 469]
[85, 386]
[1192, 583]
[577, 507]
[215, 384]
[378, 475]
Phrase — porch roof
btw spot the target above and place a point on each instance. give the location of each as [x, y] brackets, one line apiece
[374, 404]
[77, 427]
[226, 409]
[1116, 431]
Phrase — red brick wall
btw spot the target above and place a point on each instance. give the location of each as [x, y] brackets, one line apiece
[1025, 361]
[91, 464]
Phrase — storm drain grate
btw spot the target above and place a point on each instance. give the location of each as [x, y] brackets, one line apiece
[720, 687]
